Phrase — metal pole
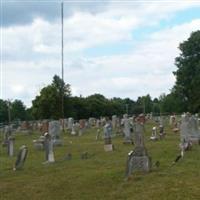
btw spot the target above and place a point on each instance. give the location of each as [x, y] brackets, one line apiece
[144, 105]
[62, 63]
[9, 114]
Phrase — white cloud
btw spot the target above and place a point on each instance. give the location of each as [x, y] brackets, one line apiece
[32, 53]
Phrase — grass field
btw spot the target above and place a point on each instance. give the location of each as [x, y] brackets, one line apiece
[102, 175]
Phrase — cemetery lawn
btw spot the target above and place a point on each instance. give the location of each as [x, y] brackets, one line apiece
[101, 176]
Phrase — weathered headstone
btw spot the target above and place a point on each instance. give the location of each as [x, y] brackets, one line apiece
[154, 135]
[54, 131]
[127, 130]
[81, 127]
[138, 159]
[70, 123]
[161, 131]
[44, 127]
[10, 146]
[194, 133]
[7, 133]
[48, 145]
[21, 158]
[107, 130]
[39, 143]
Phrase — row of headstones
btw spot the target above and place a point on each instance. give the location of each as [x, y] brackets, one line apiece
[138, 158]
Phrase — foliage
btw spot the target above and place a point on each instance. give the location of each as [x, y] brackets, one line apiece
[47, 105]
[188, 73]
[17, 110]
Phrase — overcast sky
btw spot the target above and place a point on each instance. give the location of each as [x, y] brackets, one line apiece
[116, 48]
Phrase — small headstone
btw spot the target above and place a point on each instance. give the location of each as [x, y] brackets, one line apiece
[39, 143]
[154, 136]
[21, 158]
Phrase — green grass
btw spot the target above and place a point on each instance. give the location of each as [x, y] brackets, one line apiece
[102, 175]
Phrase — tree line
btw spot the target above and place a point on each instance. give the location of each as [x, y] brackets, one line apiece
[184, 96]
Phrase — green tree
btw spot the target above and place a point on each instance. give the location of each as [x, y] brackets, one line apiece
[188, 73]
[18, 110]
[3, 111]
[48, 103]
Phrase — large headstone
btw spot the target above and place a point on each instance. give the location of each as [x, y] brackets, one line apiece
[138, 159]
[54, 131]
[21, 158]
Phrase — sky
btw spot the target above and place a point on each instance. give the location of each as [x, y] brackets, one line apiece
[115, 48]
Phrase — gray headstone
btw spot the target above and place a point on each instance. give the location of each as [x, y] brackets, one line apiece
[21, 158]
[138, 159]
[54, 131]
[107, 130]
[127, 130]
[11, 146]
[48, 145]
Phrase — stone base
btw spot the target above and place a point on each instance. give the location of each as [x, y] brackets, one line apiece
[128, 141]
[108, 147]
[138, 163]
[38, 146]
[154, 138]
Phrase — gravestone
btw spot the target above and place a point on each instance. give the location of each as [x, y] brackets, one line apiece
[138, 159]
[154, 135]
[161, 131]
[194, 133]
[21, 158]
[91, 121]
[54, 131]
[107, 130]
[185, 133]
[39, 143]
[114, 122]
[10, 146]
[7, 133]
[44, 127]
[81, 127]
[98, 123]
[48, 146]
[127, 130]
[70, 123]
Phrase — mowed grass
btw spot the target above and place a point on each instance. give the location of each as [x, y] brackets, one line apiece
[102, 175]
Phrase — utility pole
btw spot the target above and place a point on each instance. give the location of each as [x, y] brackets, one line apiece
[144, 105]
[9, 114]
[62, 63]
[127, 108]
